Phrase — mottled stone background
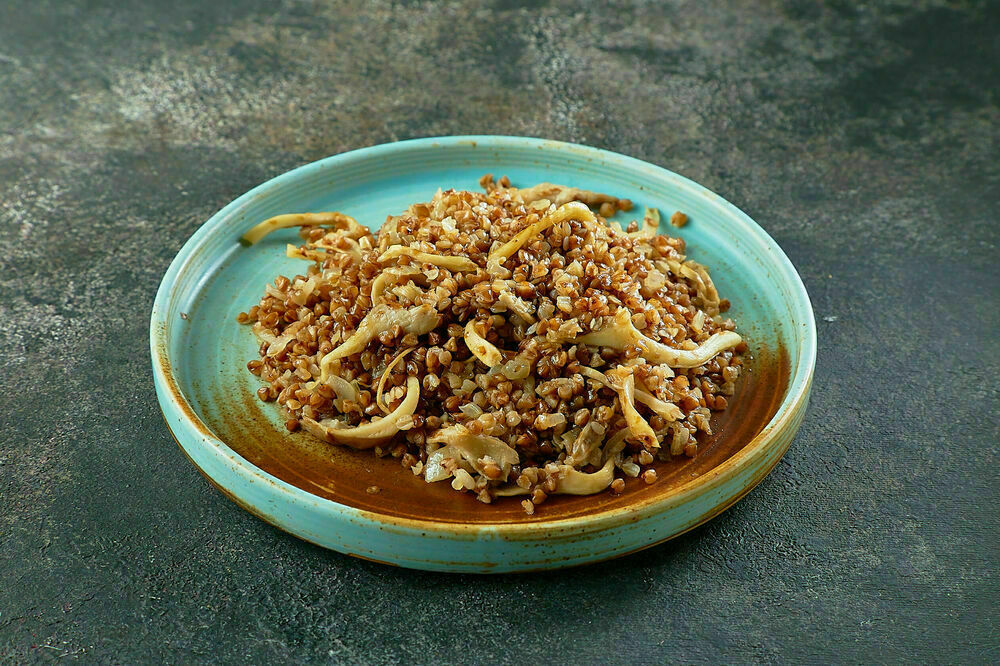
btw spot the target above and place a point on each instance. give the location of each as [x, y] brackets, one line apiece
[863, 137]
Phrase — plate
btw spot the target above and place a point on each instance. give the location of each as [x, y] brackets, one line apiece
[319, 492]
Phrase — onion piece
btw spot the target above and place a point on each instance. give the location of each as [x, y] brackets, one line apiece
[517, 305]
[615, 445]
[516, 368]
[472, 410]
[511, 491]
[370, 434]
[435, 470]
[485, 351]
[275, 343]
[344, 389]
[679, 439]
[650, 224]
[586, 442]
[706, 294]
[546, 421]
[353, 247]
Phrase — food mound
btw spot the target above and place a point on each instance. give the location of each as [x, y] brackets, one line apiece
[513, 342]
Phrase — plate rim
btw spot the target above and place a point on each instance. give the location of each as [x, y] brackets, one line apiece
[790, 408]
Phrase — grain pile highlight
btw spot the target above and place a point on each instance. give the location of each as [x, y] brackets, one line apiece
[511, 342]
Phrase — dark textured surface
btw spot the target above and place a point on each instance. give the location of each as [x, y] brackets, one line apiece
[863, 138]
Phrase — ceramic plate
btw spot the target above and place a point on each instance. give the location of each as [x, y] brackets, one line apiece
[318, 492]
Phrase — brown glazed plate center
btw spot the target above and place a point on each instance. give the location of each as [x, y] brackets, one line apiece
[345, 476]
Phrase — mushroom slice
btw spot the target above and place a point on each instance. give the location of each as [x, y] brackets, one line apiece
[641, 430]
[339, 220]
[574, 482]
[418, 320]
[385, 375]
[622, 333]
[568, 211]
[475, 447]
[373, 433]
[293, 252]
[452, 263]
[344, 389]
[561, 194]
[650, 224]
[667, 410]
[398, 274]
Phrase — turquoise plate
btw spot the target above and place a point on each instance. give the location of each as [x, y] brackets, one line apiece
[320, 492]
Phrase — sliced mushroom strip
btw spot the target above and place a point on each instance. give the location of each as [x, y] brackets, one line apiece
[385, 375]
[569, 211]
[587, 444]
[561, 194]
[474, 448]
[338, 220]
[417, 320]
[650, 224]
[621, 333]
[641, 430]
[370, 434]
[452, 263]
[399, 275]
[293, 252]
[667, 410]
[575, 482]
[517, 305]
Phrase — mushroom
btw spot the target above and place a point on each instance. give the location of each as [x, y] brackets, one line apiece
[418, 320]
[569, 211]
[622, 333]
[452, 263]
[373, 433]
[472, 448]
[345, 222]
